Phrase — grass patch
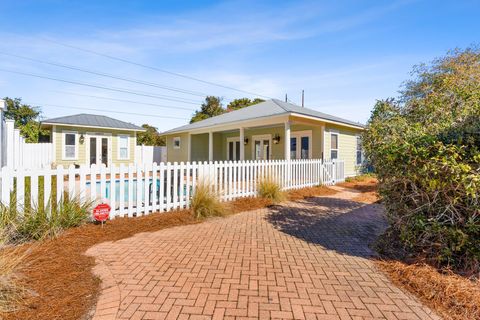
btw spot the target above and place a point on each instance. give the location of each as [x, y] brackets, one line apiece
[206, 203]
[35, 223]
[269, 189]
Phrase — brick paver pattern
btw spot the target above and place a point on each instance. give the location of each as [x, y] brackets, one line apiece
[304, 260]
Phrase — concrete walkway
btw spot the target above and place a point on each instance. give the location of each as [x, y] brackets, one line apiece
[303, 260]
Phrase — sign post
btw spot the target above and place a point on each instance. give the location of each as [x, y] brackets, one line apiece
[101, 212]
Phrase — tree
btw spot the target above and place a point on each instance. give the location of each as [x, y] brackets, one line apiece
[151, 137]
[425, 148]
[26, 119]
[242, 103]
[210, 108]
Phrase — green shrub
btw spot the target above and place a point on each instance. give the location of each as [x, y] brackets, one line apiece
[269, 189]
[425, 148]
[35, 223]
[206, 203]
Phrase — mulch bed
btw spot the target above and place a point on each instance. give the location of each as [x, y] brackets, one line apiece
[59, 276]
[450, 295]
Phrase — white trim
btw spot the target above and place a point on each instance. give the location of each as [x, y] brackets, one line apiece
[179, 142]
[327, 121]
[54, 143]
[299, 135]
[336, 133]
[260, 121]
[64, 157]
[262, 137]
[91, 127]
[233, 139]
[233, 125]
[119, 136]
[97, 135]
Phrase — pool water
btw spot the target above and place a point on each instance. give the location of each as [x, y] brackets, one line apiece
[108, 190]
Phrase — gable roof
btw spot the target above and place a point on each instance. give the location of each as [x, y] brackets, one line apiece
[92, 120]
[273, 107]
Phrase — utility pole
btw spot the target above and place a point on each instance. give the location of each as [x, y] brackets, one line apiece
[303, 98]
[286, 98]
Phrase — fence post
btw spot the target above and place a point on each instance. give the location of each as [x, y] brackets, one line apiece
[2, 134]
[334, 171]
[11, 150]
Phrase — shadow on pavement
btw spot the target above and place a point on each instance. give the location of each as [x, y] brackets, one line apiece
[345, 226]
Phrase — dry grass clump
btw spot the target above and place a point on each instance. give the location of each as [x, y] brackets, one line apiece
[269, 189]
[35, 223]
[11, 291]
[451, 295]
[206, 203]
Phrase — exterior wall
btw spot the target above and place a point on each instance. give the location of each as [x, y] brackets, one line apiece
[82, 156]
[347, 146]
[177, 155]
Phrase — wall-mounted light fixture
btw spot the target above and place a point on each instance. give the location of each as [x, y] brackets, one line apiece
[276, 138]
[245, 141]
[81, 139]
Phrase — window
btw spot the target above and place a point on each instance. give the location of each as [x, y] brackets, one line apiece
[334, 145]
[123, 147]
[69, 145]
[176, 143]
[359, 150]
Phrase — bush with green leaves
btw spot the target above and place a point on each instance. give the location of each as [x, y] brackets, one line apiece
[425, 148]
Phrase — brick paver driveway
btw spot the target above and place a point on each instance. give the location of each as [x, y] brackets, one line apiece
[303, 260]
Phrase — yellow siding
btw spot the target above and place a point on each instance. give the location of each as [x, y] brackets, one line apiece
[82, 148]
[347, 146]
[177, 155]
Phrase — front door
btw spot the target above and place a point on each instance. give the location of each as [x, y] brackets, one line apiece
[301, 145]
[261, 147]
[233, 149]
[99, 149]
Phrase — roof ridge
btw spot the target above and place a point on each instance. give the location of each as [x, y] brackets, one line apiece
[278, 104]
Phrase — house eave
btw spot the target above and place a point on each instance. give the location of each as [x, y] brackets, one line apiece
[89, 127]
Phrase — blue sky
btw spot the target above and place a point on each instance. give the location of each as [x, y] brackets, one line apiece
[344, 54]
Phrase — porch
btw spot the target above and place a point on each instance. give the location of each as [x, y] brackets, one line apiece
[287, 140]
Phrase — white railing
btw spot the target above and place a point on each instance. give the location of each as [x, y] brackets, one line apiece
[140, 190]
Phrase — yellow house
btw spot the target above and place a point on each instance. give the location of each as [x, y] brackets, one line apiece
[92, 139]
[269, 130]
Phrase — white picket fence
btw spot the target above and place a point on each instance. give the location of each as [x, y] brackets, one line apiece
[19, 154]
[140, 190]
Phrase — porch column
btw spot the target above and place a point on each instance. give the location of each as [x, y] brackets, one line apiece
[242, 145]
[287, 140]
[189, 147]
[210, 146]
[322, 134]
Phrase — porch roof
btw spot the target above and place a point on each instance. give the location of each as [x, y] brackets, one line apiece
[273, 107]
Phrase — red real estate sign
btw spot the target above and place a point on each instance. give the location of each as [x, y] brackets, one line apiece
[101, 212]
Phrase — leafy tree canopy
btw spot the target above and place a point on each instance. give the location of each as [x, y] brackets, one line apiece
[210, 108]
[151, 137]
[26, 119]
[242, 103]
[213, 107]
